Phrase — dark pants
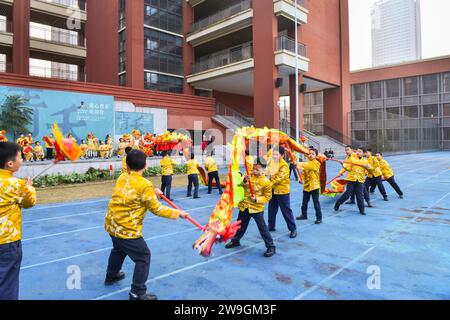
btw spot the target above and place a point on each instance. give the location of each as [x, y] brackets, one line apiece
[166, 185]
[376, 181]
[292, 168]
[353, 188]
[192, 180]
[214, 175]
[315, 196]
[244, 217]
[365, 194]
[10, 260]
[393, 184]
[49, 153]
[284, 203]
[139, 253]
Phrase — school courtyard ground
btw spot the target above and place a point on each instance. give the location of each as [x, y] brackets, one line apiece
[400, 250]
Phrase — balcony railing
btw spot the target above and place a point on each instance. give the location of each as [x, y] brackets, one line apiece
[235, 116]
[221, 15]
[57, 36]
[5, 67]
[56, 73]
[80, 4]
[5, 25]
[287, 43]
[223, 58]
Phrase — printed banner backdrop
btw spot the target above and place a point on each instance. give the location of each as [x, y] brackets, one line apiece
[76, 113]
[126, 122]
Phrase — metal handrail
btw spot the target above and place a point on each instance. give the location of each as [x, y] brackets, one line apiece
[5, 67]
[6, 25]
[58, 36]
[80, 4]
[221, 15]
[57, 73]
[223, 110]
[223, 58]
[288, 43]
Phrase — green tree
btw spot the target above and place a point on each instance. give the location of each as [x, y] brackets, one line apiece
[15, 115]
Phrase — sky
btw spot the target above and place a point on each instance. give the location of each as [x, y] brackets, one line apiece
[435, 31]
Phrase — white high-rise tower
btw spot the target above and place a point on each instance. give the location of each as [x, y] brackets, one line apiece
[396, 32]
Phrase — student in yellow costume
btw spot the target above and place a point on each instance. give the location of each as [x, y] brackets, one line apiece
[27, 151]
[132, 197]
[49, 147]
[39, 151]
[311, 186]
[167, 164]
[15, 194]
[253, 207]
[91, 146]
[357, 172]
[213, 172]
[388, 175]
[103, 149]
[110, 146]
[374, 178]
[278, 170]
[84, 149]
[192, 172]
[121, 148]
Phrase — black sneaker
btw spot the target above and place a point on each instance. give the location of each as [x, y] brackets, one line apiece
[189, 195]
[270, 252]
[401, 197]
[363, 213]
[293, 234]
[385, 199]
[272, 230]
[232, 244]
[369, 205]
[144, 297]
[318, 222]
[111, 281]
[196, 197]
[302, 218]
[336, 207]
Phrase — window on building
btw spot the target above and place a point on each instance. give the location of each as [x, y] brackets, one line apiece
[411, 134]
[359, 92]
[430, 84]
[163, 52]
[317, 98]
[410, 87]
[393, 134]
[122, 50]
[121, 14]
[165, 15]
[430, 134]
[446, 110]
[359, 115]
[393, 113]
[430, 111]
[392, 88]
[411, 112]
[159, 82]
[375, 91]
[123, 79]
[446, 132]
[446, 82]
[376, 115]
[359, 135]
[317, 118]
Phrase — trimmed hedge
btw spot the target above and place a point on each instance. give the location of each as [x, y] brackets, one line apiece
[93, 175]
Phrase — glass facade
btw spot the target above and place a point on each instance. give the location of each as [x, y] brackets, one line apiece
[402, 114]
[313, 112]
[164, 15]
[122, 44]
[159, 82]
[163, 45]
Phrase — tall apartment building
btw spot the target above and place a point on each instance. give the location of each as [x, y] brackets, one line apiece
[396, 32]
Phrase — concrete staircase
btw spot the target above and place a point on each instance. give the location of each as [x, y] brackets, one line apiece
[326, 143]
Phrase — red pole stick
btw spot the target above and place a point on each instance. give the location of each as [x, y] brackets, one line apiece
[189, 218]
